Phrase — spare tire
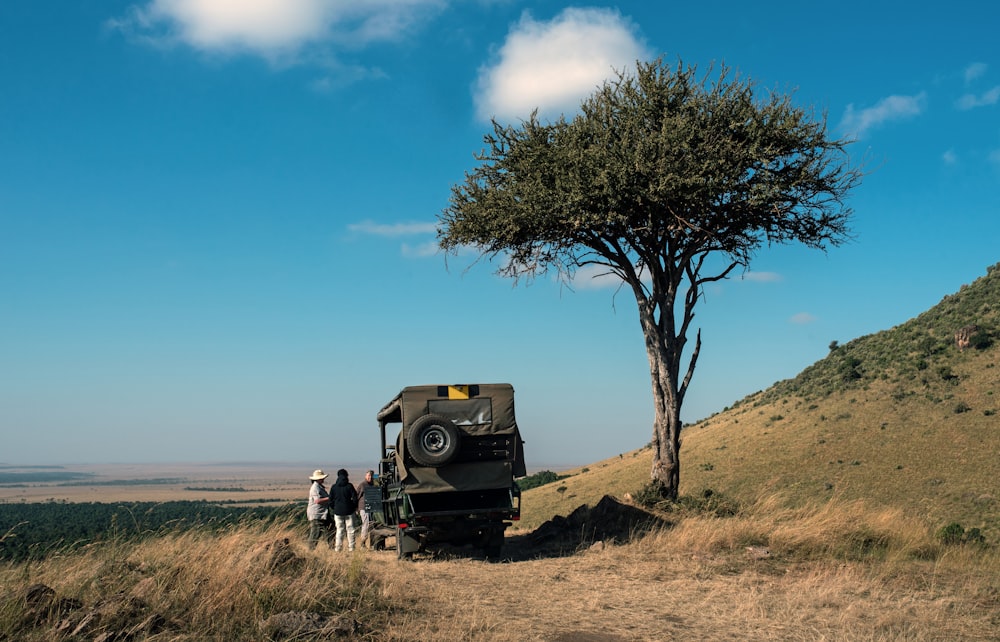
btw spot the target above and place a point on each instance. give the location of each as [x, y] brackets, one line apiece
[432, 441]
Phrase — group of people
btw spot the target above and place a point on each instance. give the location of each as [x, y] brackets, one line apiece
[332, 512]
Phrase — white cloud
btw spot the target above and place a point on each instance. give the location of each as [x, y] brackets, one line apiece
[857, 122]
[595, 277]
[393, 229]
[985, 99]
[802, 318]
[762, 277]
[973, 71]
[273, 29]
[949, 157]
[554, 65]
[420, 251]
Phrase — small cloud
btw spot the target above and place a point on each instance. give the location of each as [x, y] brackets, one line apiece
[553, 66]
[393, 229]
[973, 71]
[762, 277]
[595, 277]
[994, 156]
[421, 251]
[858, 122]
[985, 99]
[277, 30]
[338, 76]
[949, 157]
[802, 318]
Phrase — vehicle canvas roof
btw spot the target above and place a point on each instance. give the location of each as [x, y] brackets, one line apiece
[412, 403]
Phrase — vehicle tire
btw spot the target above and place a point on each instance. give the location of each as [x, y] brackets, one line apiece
[494, 543]
[432, 441]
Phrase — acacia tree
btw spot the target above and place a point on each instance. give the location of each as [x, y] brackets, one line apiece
[666, 180]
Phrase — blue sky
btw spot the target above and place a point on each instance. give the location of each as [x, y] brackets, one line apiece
[217, 216]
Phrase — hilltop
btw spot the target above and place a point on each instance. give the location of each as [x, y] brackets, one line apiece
[904, 418]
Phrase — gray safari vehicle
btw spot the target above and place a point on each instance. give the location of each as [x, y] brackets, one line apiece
[448, 474]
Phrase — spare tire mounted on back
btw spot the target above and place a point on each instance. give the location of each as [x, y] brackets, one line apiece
[433, 440]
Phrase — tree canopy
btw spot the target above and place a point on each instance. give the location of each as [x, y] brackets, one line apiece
[660, 171]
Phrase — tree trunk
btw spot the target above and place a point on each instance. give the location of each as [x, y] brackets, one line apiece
[666, 471]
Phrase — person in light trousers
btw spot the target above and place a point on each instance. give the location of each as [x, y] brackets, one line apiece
[344, 500]
[366, 517]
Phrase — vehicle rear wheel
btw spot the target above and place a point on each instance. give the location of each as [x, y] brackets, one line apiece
[493, 543]
[433, 441]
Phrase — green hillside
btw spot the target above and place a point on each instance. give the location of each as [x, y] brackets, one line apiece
[900, 418]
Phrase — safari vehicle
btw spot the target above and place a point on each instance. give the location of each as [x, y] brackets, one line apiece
[449, 475]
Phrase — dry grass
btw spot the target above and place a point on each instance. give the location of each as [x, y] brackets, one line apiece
[773, 574]
[836, 571]
[202, 586]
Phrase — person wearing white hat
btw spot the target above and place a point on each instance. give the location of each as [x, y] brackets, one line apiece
[318, 510]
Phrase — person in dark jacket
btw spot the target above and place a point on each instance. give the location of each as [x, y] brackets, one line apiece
[344, 500]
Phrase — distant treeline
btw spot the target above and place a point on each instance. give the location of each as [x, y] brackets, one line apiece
[216, 489]
[34, 531]
[49, 475]
[154, 481]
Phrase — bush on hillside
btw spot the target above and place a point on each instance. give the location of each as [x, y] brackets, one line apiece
[539, 479]
[955, 533]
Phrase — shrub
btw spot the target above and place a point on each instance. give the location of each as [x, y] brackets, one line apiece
[953, 533]
[539, 479]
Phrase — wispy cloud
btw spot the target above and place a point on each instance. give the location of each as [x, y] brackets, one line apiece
[985, 99]
[857, 122]
[762, 277]
[277, 30]
[553, 65]
[418, 250]
[421, 250]
[949, 157]
[392, 229]
[802, 318]
[973, 71]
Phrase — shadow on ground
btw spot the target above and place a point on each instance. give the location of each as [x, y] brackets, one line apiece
[609, 521]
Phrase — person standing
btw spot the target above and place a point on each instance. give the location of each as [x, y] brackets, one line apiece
[366, 517]
[344, 498]
[318, 510]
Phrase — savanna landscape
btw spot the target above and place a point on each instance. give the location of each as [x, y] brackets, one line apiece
[855, 501]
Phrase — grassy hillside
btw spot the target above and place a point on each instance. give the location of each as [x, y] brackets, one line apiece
[901, 418]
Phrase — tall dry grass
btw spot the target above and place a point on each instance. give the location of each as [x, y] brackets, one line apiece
[192, 585]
